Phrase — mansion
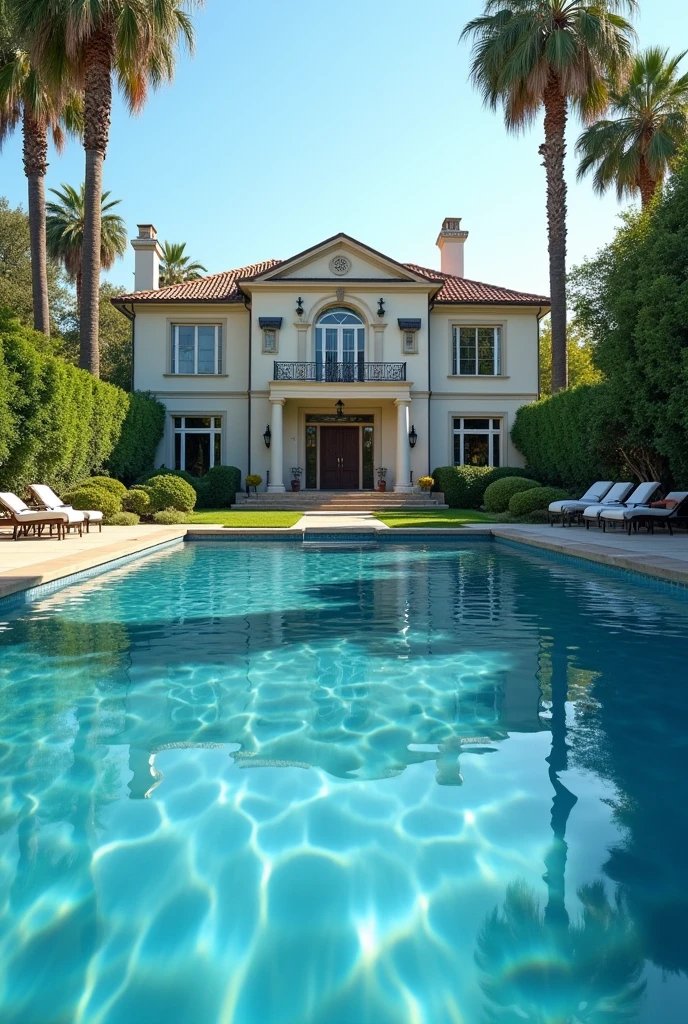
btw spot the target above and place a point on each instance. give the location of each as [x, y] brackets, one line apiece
[338, 361]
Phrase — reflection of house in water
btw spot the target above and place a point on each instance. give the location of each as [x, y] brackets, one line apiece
[377, 669]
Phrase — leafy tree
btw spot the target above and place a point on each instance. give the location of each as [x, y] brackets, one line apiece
[633, 149]
[16, 285]
[65, 232]
[176, 267]
[580, 358]
[114, 338]
[533, 55]
[88, 42]
[26, 99]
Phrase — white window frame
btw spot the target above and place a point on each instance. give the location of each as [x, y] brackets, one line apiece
[217, 368]
[490, 431]
[184, 430]
[497, 359]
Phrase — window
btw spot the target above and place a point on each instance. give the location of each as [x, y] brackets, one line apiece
[196, 348]
[340, 339]
[477, 442]
[476, 351]
[197, 443]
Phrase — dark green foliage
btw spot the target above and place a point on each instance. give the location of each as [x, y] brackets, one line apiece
[499, 493]
[171, 492]
[108, 483]
[95, 499]
[124, 519]
[164, 471]
[570, 438]
[217, 489]
[141, 434]
[136, 500]
[170, 517]
[58, 423]
[535, 499]
[464, 486]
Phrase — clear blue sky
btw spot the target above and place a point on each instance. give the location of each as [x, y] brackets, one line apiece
[295, 121]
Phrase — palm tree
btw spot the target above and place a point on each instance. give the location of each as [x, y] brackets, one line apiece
[89, 41]
[634, 148]
[25, 99]
[175, 266]
[65, 232]
[533, 55]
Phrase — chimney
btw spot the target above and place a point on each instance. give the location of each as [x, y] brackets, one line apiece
[147, 259]
[450, 242]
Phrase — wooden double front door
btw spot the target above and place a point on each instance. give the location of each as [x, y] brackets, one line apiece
[340, 453]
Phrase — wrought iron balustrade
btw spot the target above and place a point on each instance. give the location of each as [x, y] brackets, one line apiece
[340, 373]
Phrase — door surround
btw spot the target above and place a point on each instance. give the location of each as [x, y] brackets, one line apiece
[339, 457]
[356, 417]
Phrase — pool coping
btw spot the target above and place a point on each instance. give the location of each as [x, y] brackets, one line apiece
[17, 587]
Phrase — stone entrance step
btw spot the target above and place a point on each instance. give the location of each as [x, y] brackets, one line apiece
[338, 501]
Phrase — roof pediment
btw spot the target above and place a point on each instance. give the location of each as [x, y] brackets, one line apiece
[341, 258]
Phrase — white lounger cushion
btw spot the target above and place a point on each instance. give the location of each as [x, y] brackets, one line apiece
[47, 496]
[640, 496]
[615, 495]
[23, 514]
[619, 514]
[594, 493]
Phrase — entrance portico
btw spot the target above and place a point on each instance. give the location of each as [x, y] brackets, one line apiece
[340, 436]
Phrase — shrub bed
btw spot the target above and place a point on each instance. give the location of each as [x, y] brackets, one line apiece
[498, 494]
[170, 517]
[138, 501]
[171, 492]
[95, 499]
[464, 486]
[536, 499]
[124, 519]
[106, 483]
[218, 488]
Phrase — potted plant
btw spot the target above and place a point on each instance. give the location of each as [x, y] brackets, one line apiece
[296, 472]
[381, 482]
[252, 481]
[426, 483]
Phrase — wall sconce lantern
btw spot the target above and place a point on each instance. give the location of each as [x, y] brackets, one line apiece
[413, 436]
[299, 306]
[339, 407]
[381, 308]
[267, 436]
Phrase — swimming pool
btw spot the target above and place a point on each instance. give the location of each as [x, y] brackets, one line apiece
[253, 784]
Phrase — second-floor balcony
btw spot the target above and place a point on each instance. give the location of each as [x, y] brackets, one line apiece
[340, 373]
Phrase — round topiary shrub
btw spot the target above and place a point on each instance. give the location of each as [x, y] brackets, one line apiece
[170, 517]
[148, 477]
[107, 483]
[217, 489]
[137, 501]
[535, 500]
[123, 519]
[95, 499]
[171, 492]
[499, 493]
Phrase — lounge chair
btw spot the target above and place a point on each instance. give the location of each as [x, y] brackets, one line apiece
[569, 507]
[640, 496]
[47, 499]
[673, 507]
[24, 518]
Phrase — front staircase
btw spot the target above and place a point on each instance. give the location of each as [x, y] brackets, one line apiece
[339, 501]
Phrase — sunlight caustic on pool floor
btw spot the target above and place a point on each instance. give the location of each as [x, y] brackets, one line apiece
[258, 785]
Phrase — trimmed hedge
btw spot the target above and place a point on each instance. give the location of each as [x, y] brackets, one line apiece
[499, 493]
[94, 498]
[170, 517]
[218, 488]
[150, 475]
[137, 501]
[139, 438]
[107, 483]
[171, 492]
[464, 486]
[536, 499]
[124, 519]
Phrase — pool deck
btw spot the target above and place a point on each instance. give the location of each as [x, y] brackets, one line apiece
[34, 561]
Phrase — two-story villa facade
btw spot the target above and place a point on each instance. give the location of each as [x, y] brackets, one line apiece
[339, 361]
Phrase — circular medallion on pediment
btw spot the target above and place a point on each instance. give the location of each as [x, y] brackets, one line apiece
[340, 265]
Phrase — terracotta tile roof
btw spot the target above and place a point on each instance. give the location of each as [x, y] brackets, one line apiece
[460, 289]
[223, 287]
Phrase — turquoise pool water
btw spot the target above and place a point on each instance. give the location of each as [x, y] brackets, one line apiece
[261, 785]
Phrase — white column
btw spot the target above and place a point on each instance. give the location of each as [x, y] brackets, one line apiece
[276, 447]
[403, 475]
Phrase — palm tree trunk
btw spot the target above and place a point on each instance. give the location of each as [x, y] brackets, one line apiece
[35, 166]
[646, 183]
[98, 60]
[553, 151]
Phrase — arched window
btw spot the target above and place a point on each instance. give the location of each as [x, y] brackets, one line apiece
[340, 346]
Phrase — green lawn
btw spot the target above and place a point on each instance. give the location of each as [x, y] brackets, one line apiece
[243, 520]
[448, 517]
